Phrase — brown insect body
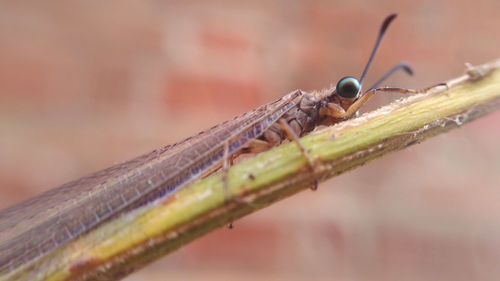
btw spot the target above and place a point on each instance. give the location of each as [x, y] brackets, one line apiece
[304, 117]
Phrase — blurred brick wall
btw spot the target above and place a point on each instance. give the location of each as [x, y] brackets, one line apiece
[86, 85]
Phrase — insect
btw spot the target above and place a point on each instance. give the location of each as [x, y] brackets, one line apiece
[44, 223]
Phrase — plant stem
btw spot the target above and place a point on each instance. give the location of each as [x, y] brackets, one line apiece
[120, 247]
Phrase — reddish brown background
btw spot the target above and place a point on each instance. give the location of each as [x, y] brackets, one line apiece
[88, 84]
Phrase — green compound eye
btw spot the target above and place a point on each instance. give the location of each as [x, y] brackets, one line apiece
[348, 87]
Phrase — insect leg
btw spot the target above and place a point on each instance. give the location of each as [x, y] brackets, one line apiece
[336, 111]
[257, 146]
[357, 104]
[225, 168]
[295, 138]
[227, 161]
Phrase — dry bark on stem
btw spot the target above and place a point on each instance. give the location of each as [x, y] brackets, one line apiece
[117, 248]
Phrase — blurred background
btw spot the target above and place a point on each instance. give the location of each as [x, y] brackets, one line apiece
[88, 84]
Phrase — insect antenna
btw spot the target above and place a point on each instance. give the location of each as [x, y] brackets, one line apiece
[381, 34]
[406, 66]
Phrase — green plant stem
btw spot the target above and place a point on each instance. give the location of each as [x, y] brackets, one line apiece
[122, 246]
